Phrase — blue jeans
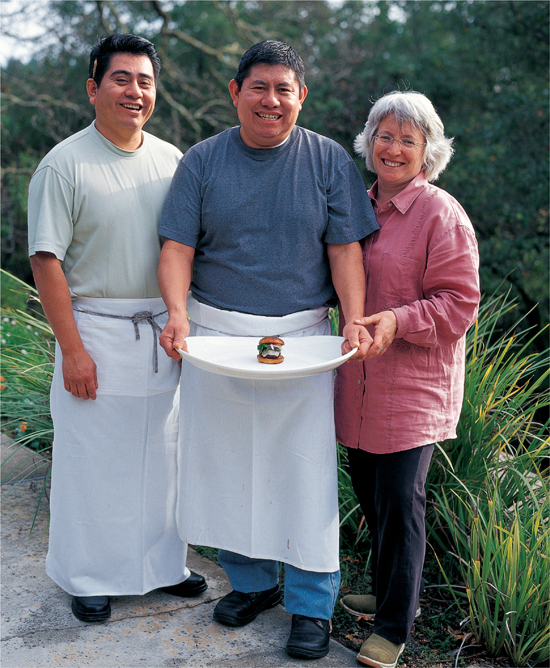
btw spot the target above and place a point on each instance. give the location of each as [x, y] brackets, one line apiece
[306, 592]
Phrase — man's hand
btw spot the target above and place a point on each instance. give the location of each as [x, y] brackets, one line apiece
[385, 328]
[79, 369]
[80, 375]
[348, 277]
[175, 272]
[173, 336]
[356, 337]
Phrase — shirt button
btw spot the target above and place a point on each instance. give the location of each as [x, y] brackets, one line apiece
[390, 203]
[359, 382]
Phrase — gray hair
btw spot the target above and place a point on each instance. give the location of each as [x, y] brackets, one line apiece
[416, 109]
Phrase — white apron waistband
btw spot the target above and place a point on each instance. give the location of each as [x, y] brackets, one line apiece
[246, 324]
[126, 307]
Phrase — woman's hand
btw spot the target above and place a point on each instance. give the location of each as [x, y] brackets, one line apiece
[385, 328]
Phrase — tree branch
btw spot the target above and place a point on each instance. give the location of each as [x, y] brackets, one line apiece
[220, 55]
[104, 22]
[40, 101]
[179, 107]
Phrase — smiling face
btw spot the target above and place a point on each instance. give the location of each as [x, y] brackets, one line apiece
[125, 99]
[268, 104]
[396, 166]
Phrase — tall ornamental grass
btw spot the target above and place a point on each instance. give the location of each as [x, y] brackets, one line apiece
[506, 389]
[489, 512]
[25, 376]
[503, 423]
[502, 555]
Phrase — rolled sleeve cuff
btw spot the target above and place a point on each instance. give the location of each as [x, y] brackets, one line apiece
[402, 317]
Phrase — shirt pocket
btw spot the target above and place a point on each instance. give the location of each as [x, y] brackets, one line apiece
[400, 281]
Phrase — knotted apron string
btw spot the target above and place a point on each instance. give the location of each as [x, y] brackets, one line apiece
[141, 316]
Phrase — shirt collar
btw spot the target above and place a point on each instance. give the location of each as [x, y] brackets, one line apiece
[404, 199]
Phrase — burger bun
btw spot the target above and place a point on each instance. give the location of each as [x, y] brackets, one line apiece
[275, 340]
[270, 360]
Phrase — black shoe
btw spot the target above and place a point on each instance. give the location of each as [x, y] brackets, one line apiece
[238, 609]
[309, 638]
[91, 608]
[193, 586]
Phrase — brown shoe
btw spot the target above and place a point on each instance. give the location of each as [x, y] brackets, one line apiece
[379, 652]
[363, 605]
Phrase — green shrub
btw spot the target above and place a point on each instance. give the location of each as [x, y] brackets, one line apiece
[504, 392]
[26, 373]
[489, 510]
[26, 370]
[25, 377]
[502, 554]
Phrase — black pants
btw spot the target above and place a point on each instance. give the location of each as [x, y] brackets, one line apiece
[390, 489]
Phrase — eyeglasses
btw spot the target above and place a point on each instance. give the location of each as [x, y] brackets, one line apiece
[386, 140]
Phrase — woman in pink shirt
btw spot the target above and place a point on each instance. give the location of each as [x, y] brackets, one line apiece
[422, 296]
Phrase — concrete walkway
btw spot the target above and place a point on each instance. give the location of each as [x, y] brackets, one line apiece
[155, 630]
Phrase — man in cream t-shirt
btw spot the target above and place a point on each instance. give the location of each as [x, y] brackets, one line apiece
[95, 203]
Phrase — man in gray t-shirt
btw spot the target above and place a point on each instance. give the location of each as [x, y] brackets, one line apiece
[262, 225]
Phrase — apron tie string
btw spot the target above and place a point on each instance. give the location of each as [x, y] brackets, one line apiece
[140, 316]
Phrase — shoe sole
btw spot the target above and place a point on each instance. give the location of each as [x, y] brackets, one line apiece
[198, 590]
[188, 594]
[226, 620]
[99, 617]
[378, 664]
[368, 615]
[300, 653]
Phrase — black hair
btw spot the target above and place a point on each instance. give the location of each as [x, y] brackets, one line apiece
[271, 53]
[105, 47]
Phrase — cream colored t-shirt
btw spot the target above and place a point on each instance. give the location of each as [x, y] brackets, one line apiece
[97, 208]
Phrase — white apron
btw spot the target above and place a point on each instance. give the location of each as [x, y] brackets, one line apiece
[257, 458]
[113, 526]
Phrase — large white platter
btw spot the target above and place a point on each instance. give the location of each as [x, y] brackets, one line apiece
[237, 356]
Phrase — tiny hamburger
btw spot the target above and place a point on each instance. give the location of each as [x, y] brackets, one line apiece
[270, 350]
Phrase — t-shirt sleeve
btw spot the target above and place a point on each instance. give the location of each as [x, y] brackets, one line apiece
[50, 221]
[350, 214]
[181, 215]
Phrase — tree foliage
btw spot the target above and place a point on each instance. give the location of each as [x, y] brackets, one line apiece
[484, 64]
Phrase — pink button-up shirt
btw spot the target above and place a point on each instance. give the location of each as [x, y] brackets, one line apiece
[423, 265]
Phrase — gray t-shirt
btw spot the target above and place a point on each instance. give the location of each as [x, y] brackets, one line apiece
[260, 219]
[97, 208]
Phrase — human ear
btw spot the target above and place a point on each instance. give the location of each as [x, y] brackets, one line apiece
[303, 95]
[234, 91]
[91, 89]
